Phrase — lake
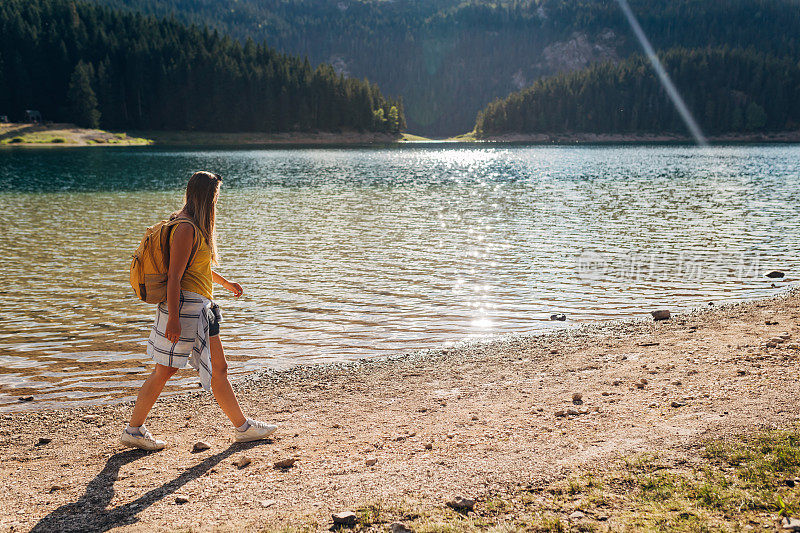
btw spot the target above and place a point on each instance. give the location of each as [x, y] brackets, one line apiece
[350, 253]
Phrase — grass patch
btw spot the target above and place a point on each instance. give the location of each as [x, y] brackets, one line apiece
[733, 485]
[410, 137]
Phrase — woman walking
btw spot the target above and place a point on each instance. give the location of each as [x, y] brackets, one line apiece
[187, 324]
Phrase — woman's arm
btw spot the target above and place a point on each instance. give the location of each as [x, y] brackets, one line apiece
[235, 288]
[179, 252]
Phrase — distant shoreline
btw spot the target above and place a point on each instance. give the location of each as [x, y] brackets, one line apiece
[633, 138]
[196, 138]
[69, 135]
[63, 134]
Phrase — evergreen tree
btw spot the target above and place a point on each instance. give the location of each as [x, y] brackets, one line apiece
[394, 120]
[755, 117]
[81, 97]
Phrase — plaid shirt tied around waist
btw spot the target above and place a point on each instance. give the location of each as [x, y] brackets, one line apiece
[193, 346]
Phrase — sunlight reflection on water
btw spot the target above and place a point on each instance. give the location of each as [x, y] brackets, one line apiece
[351, 253]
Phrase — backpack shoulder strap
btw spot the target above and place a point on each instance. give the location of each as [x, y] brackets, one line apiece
[172, 224]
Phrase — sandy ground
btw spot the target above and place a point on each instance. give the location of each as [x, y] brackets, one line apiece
[488, 413]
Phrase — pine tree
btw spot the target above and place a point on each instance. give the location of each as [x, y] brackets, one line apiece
[755, 117]
[81, 97]
[394, 120]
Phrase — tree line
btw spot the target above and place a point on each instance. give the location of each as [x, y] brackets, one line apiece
[449, 58]
[89, 64]
[727, 90]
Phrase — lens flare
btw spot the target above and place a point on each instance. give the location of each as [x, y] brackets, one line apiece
[666, 82]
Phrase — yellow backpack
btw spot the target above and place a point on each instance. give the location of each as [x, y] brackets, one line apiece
[150, 263]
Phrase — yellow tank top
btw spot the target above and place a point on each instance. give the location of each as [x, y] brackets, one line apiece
[197, 276]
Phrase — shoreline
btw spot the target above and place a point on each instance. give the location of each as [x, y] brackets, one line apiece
[483, 420]
[787, 137]
[70, 136]
[249, 139]
[319, 370]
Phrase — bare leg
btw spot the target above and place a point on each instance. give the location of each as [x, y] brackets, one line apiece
[221, 386]
[149, 392]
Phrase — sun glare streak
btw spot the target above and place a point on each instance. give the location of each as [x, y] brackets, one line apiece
[672, 91]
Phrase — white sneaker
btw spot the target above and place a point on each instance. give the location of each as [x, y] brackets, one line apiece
[143, 442]
[258, 430]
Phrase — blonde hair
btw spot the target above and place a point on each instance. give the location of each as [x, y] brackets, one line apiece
[200, 204]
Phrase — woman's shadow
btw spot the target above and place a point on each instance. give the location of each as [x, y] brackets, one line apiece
[90, 512]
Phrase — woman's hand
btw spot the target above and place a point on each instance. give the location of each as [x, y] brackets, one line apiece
[173, 331]
[235, 288]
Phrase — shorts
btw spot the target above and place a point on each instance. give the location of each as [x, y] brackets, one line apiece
[214, 318]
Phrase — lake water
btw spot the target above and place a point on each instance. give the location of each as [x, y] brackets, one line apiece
[363, 252]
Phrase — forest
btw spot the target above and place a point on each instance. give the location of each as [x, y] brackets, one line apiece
[727, 90]
[448, 58]
[98, 67]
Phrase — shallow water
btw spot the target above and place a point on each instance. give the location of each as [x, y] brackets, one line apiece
[362, 252]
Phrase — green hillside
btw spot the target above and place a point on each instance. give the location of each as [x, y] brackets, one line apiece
[449, 58]
[729, 91]
[88, 64]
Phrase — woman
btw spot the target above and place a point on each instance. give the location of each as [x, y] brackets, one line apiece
[187, 325]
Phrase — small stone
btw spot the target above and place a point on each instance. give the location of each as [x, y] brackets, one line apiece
[285, 463]
[769, 322]
[577, 515]
[450, 435]
[676, 404]
[345, 518]
[785, 335]
[661, 314]
[200, 446]
[577, 397]
[460, 503]
[399, 527]
[474, 417]
[789, 482]
[775, 274]
[777, 340]
[558, 316]
[242, 461]
[26, 398]
[267, 503]
[560, 413]
[572, 412]
[677, 383]
[180, 499]
[54, 488]
[428, 446]
[617, 382]
[43, 440]
[371, 461]
[741, 372]
[790, 524]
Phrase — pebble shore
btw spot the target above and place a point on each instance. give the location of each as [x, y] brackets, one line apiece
[437, 429]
